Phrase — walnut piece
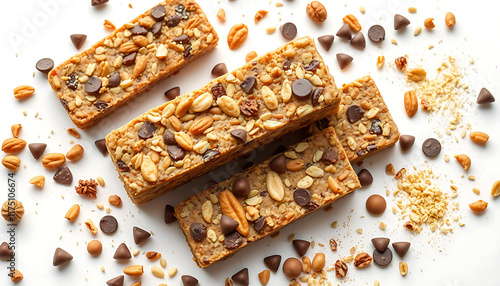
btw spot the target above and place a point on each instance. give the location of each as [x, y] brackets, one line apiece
[87, 188]
[316, 12]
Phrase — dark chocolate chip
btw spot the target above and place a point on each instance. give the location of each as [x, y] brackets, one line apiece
[210, 154]
[114, 80]
[358, 41]
[286, 64]
[122, 166]
[227, 224]
[172, 93]
[72, 83]
[138, 30]
[301, 196]
[401, 248]
[301, 246]
[241, 277]
[248, 84]
[485, 96]
[260, 224]
[78, 40]
[278, 164]
[312, 66]
[273, 262]
[431, 147]
[158, 13]
[182, 39]
[93, 85]
[108, 224]
[129, 59]
[400, 22]
[301, 88]
[198, 231]
[180, 10]
[37, 149]
[101, 105]
[233, 240]
[376, 128]
[218, 90]
[249, 107]
[63, 176]
[354, 113]
[344, 60]
[156, 30]
[345, 32]
[169, 216]
[241, 187]
[98, 2]
[329, 157]
[239, 134]
[326, 41]
[406, 142]
[147, 130]
[45, 65]
[140, 235]
[122, 252]
[117, 281]
[6, 251]
[173, 20]
[376, 33]
[176, 152]
[61, 256]
[365, 177]
[382, 258]
[219, 69]
[187, 53]
[188, 280]
[168, 138]
[380, 243]
[288, 30]
[316, 95]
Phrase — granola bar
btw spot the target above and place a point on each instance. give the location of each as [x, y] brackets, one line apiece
[199, 131]
[156, 44]
[266, 197]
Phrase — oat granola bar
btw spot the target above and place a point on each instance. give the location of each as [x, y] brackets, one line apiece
[156, 44]
[266, 197]
[363, 123]
[199, 131]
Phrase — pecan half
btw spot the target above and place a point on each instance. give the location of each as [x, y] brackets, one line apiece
[230, 206]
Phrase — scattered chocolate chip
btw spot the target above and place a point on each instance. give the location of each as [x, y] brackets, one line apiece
[301, 196]
[326, 41]
[188, 280]
[71, 83]
[101, 105]
[278, 164]
[344, 60]
[108, 224]
[400, 22]
[6, 252]
[61, 256]
[227, 224]
[210, 154]
[301, 88]
[63, 176]
[239, 134]
[382, 258]
[375, 128]
[180, 10]
[122, 166]
[249, 107]
[316, 95]
[169, 216]
[345, 32]
[354, 113]
[218, 90]
[329, 157]
[122, 252]
[219, 69]
[156, 30]
[45, 65]
[485, 96]
[187, 53]
[172, 93]
[431, 147]
[37, 149]
[248, 84]
[129, 59]
[401, 248]
[365, 177]
[260, 224]
[176, 152]
[147, 130]
[114, 80]
[273, 262]
[117, 281]
[301, 246]
[233, 240]
[406, 142]
[198, 231]
[138, 30]
[98, 2]
[292, 267]
[286, 64]
[376, 204]
[241, 187]
[376, 33]
[93, 85]
[358, 41]
[158, 13]
[312, 66]
[182, 39]
[78, 40]
[380, 243]
[168, 138]
[288, 30]
[140, 235]
[173, 20]
[241, 277]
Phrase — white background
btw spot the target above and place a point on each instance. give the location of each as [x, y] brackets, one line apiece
[469, 256]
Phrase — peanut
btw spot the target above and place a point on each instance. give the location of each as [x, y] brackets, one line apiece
[259, 15]
[133, 270]
[411, 103]
[75, 153]
[38, 181]
[221, 14]
[478, 206]
[464, 160]
[73, 213]
[115, 200]
[264, 277]
[495, 189]
[318, 262]
[15, 129]
[429, 23]
[416, 74]
[449, 19]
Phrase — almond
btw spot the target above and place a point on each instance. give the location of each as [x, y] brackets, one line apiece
[11, 162]
[53, 160]
[75, 153]
[230, 206]
[201, 124]
[23, 91]
[13, 145]
[411, 103]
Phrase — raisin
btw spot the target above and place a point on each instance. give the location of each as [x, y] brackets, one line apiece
[101, 105]
[218, 90]
[65, 104]
[72, 82]
[122, 166]
[376, 128]
[187, 53]
[180, 11]
[312, 66]
[210, 154]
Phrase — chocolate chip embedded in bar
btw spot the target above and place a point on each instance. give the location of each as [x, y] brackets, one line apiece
[197, 132]
[156, 44]
[316, 173]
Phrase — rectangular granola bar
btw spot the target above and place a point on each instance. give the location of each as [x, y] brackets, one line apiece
[266, 197]
[156, 44]
[197, 132]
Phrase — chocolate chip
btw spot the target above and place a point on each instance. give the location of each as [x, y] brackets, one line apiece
[129, 59]
[365, 177]
[173, 20]
[292, 267]
[431, 147]
[158, 13]
[6, 252]
[241, 277]
[401, 248]
[301, 88]
[188, 280]
[273, 262]
[329, 157]
[187, 53]
[122, 252]
[37, 149]
[485, 96]
[98, 2]
[108, 224]
[400, 22]
[241, 187]
[168, 138]
[63, 176]
[227, 224]
[122, 166]
[219, 69]
[180, 10]
[376, 33]
[371, 147]
[71, 83]
[156, 30]
[406, 142]
[376, 128]
[140, 235]
[78, 40]
[278, 164]
[354, 113]
[176, 152]
[182, 39]
[248, 84]
[249, 107]
[93, 85]
[147, 130]
[114, 80]
[376, 204]
[382, 258]
[198, 231]
[138, 30]
[380, 243]
[345, 32]
[169, 216]
[45, 65]
[61, 256]
[358, 41]
[101, 105]
[312, 66]
[316, 95]
[218, 90]
[301, 246]
[326, 41]
[210, 154]
[101, 146]
[117, 281]
[301, 196]
[233, 240]
[288, 30]
[286, 64]
[260, 224]
[239, 134]
[344, 60]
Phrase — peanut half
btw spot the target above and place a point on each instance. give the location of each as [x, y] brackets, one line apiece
[411, 103]
[73, 213]
[478, 206]
[464, 160]
[495, 189]
[449, 19]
